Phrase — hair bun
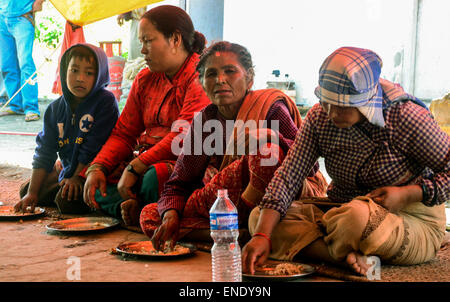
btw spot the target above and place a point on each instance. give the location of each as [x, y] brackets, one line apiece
[198, 45]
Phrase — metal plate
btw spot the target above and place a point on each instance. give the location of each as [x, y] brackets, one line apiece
[264, 272]
[145, 249]
[7, 213]
[83, 224]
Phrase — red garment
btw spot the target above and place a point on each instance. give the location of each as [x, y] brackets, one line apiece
[73, 34]
[153, 105]
[236, 177]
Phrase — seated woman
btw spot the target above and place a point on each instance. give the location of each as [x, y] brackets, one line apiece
[389, 164]
[165, 92]
[226, 72]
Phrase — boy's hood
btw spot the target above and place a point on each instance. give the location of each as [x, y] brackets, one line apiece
[102, 71]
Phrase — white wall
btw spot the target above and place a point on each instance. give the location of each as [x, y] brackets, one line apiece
[433, 52]
[295, 36]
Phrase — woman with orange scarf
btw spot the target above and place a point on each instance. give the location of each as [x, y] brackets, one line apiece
[226, 73]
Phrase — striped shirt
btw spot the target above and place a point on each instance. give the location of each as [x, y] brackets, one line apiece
[410, 149]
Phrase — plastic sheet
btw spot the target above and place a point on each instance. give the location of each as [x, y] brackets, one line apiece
[88, 11]
[441, 111]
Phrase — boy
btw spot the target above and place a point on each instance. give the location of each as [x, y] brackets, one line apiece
[76, 125]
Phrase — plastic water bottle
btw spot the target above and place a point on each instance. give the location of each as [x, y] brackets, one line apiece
[226, 253]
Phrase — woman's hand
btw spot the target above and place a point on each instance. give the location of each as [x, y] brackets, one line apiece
[72, 187]
[394, 199]
[129, 179]
[126, 184]
[257, 250]
[167, 231]
[95, 180]
[255, 253]
[29, 200]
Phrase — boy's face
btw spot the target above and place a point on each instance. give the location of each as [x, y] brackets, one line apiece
[81, 76]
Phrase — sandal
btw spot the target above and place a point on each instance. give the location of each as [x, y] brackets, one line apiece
[32, 117]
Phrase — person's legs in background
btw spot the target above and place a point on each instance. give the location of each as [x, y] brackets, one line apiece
[23, 32]
[3, 95]
[9, 66]
[17, 65]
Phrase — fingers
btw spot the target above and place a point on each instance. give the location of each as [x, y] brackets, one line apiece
[162, 237]
[376, 193]
[92, 202]
[155, 239]
[92, 188]
[64, 190]
[172, 243]
[102, 188]
[86, 193]
[70, 191]
[248, 259]
[17, 206]
[254, 254]
[32, 206]
[78, 192]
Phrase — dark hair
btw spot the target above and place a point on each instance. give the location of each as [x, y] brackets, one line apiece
[169, 19]
[244, 56]
[82, 52]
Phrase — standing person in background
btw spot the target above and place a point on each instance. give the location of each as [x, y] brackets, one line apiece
[3, 95]
[134, 48]
[16, 56]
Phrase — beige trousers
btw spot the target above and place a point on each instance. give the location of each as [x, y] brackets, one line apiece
[412, 236]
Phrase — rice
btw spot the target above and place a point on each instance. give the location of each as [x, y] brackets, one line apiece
[286, 269]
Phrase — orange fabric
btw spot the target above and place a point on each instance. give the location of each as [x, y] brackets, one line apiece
[72, 36]
[153, 105]
[235, 178]
[255, 107]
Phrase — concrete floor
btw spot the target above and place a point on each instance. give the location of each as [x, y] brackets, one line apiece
[29, 253]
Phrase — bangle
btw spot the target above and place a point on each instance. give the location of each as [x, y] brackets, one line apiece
[265, 236]
[96, 167]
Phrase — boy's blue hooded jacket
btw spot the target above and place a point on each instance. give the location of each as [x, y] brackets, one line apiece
[77, 136]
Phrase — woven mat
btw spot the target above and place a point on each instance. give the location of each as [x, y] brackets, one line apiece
[436, 270]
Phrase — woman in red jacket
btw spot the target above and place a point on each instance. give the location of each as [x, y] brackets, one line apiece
[138, 156]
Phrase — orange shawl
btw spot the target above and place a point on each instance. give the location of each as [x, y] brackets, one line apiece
[255, 107]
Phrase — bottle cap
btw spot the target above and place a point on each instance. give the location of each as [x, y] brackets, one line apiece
[222, 192]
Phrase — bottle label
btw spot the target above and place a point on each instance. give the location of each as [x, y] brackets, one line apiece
[223, 221]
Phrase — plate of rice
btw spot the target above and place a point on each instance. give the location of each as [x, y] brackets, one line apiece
[280, 270]
[146, 249]
[8, 213]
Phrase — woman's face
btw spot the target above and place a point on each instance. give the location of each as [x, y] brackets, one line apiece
[342, 117]
[157, 50]
[225, 80]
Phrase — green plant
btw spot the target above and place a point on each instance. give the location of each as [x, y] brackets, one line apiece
[125, 55]
[48, 32]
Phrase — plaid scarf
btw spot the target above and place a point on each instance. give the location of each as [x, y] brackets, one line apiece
[350, 77]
